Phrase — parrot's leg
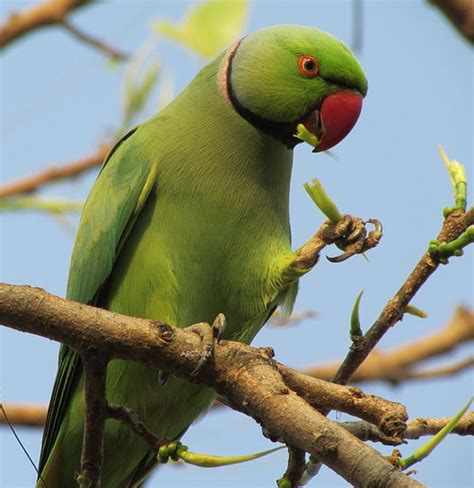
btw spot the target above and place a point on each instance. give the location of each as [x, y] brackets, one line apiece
[349, 234]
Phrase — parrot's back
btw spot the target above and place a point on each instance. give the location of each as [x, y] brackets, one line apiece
[208, 233]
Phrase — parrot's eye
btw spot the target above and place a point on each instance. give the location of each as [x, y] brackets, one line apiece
[308, 66]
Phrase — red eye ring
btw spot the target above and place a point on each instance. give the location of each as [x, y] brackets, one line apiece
[308, 66]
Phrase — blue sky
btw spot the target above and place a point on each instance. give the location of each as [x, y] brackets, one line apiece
[59, 98]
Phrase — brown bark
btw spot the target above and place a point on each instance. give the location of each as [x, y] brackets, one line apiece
[245, 376]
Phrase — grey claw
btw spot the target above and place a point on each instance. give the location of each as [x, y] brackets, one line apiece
[163, 378]
[355, 234]
[218, 326]
[342, 257]
[377, 224]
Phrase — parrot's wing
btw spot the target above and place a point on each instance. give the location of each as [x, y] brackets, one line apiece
[118, 196]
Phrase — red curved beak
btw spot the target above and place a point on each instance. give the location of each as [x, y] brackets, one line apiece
[338, 115]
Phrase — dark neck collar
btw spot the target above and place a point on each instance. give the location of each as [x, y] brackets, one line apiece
[281, 131]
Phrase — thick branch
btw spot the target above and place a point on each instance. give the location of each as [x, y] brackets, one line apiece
[53, 173]
[395, 365]
[41, 15]
[461, 15]
[244, 375]
[390, 417]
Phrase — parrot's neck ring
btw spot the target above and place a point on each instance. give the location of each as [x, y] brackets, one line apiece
[282, 131]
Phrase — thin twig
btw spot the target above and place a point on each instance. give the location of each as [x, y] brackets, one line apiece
[43, 14]
[107, 49]
[417, 428]
[129, 417]
[398, 364]
[54, 173]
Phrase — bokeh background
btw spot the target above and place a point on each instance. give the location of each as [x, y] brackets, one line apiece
[59, 97]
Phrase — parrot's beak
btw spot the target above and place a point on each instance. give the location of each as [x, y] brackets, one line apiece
[335, 118]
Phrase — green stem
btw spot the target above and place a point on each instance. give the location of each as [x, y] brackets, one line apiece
[208, 461]
[316, 191]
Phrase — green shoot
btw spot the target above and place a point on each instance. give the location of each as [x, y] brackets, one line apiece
[457, 175]
[305, 135]
[316, 191]
[426, 449]
[177, 451]
[417, 312]
[444, 250]
[356, 331]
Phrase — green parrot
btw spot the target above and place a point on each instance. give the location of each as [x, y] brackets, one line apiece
[188, 219]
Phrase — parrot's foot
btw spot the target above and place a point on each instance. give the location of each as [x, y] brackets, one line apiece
[208, 335]
[350, 235]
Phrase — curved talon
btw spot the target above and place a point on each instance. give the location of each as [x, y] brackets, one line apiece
[163, 378]
[218, 327]
[357, 241]
[342, 257]
[356, 233]
[377, 224]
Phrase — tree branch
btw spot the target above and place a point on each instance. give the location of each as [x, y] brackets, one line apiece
[417, 428]
[54, 173]
[107, 49]
[453, 226]
[245, 376]
[43, 14]
[461, 15]
[396, 365]
[92, 455]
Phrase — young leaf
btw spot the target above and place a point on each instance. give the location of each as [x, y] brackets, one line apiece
[209, 27]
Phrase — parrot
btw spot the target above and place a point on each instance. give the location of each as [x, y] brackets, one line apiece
[188, 219]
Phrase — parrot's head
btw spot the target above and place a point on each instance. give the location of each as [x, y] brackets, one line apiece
[283, 76]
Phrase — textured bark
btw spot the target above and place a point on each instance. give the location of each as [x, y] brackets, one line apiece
[245, 376]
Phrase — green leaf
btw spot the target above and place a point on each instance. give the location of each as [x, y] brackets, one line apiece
[208, 27]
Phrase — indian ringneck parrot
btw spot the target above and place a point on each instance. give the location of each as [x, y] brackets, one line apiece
[188, 219]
